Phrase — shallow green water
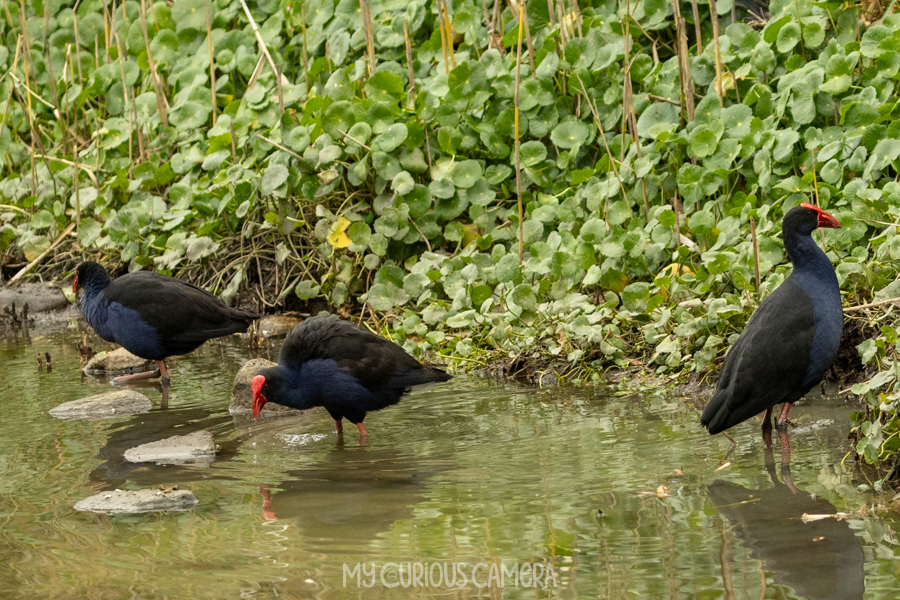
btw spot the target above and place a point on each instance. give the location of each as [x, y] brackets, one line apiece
[469, 472]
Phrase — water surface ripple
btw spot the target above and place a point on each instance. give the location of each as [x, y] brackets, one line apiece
[474, 471]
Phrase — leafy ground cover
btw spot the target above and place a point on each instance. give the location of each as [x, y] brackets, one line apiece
[599, 183]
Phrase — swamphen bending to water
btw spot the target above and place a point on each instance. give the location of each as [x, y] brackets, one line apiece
[335, 364]
[791, 339]
[153, 316]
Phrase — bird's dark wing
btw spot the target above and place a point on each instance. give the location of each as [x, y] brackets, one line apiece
[768, 363]
[372, 360]
[178, 311]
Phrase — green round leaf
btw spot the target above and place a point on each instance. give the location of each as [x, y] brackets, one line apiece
[788, 37]
[532, 153]
[191, 13]
[391, 139]
[569, 134]
[466, 173]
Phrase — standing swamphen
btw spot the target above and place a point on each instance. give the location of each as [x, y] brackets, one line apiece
[335, 364]
[791, 339]
[153, 316]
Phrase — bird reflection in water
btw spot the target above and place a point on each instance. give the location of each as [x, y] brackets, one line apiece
[355, 495]
[820, 560]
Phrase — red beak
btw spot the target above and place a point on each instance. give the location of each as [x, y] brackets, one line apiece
[825, 220]
[75, 285]
[256, 385]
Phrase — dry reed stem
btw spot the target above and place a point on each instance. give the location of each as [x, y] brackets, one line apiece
[212, 64]
[259, 38]
[77, 49]
[715, 25]
[233, 147]
[409, 66]
[696, 13]
[518, 163]
[366, 9]
[444, 44]
[304, 49]
[755, 256]
[157, 84]
[529, 43]
[449, 30]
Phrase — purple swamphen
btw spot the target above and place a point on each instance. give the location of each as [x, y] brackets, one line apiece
[153, 316]
[791, 339]
[346, 369]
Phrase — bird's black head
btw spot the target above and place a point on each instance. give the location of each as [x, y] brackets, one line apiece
[89, 274]
[804, 218]
[268, 384]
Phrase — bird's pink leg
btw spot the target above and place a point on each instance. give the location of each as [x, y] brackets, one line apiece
[782, 421]
[163, 371]
[339, 427]
[135, 377]
[268, 513]
[362, 430]
[786, 460]
[767, 428]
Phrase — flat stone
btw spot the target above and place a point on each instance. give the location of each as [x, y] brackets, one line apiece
[104, 406]
[198, 448]
[242, 395]
[39, 297]
[116, 362]
[138, 501]
[277, 325]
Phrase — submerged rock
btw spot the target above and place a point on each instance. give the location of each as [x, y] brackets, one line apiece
[276, 325]
[242, 396]
[103, 406]
[39, 298]
[138, 501]
[198, 448]
[116, 362]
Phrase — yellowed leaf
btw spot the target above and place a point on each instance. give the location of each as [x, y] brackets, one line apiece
[337, 235]
[470, 234]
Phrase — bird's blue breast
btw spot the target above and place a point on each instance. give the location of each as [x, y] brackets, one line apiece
[117, 323]
[821, 286]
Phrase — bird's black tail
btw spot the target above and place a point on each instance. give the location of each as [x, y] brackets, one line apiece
[715, 415]
[436, 374]
[413, 377]
[246, 316]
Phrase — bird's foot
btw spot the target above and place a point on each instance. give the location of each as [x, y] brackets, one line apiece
[338, 427]
[135, 377]
[362, 430]
[783, 425]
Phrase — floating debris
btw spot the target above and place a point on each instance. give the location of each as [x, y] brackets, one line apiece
[841, 516]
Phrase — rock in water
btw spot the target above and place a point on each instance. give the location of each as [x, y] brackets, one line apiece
[198, 448]
[38, 297]
[103, 406]
[276, 325]
[242, 396]
[138, 501]
[116, 362]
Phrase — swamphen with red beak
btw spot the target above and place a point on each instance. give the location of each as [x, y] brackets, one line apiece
[791, 339]
[153, 316]
[328, 362]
